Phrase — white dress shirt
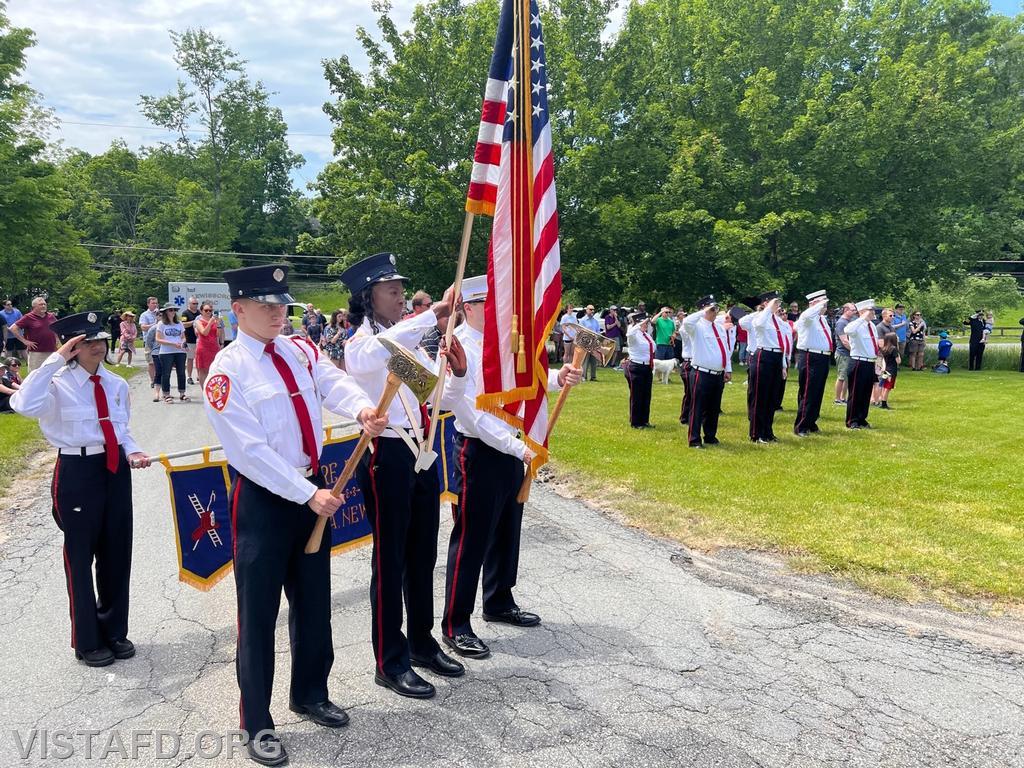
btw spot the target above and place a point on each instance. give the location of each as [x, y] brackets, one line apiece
[863, 340]
[258, 425]
[786, 331]
[63, 400]
[366, 361]
[685, 343]
[470, 420]
[812, 330]
[640, 345]
[764, 330]
[710, 342]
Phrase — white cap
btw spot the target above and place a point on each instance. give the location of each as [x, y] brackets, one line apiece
[866, 304]
[817, 295]
[474, 288]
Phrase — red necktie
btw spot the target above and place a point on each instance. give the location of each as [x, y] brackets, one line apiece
[721, 346]
[828, 336]
[778, 331]
[309, 442]
[874, 341]
[109, 438]
[650, 344]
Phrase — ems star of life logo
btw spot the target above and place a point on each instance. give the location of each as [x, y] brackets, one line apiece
[218, 389]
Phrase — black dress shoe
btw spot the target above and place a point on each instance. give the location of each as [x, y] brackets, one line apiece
[468, 646]
[324, 713]
[802, 433]
[515, 617]
[684, 422]
[267, 750]
[854, 426]
[407, 683]
[101, 657]
[865, 425]
[762, 441]
[711, 441]
[697, 445]
[123, 649]
[440, 663]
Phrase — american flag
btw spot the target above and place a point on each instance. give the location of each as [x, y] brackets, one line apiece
[513, 181]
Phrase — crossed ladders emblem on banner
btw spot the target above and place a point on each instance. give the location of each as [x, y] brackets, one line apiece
[207, 521]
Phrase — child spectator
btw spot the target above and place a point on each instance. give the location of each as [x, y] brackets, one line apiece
[128, 332]
[945, 348]
[887, 366]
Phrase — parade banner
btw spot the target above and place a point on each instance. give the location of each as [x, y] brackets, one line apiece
[202, 520]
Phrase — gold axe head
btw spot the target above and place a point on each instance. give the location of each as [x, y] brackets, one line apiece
[411, 371]
[599, 346]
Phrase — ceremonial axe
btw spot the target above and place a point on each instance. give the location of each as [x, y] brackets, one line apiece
[403, 368]
[586, 342]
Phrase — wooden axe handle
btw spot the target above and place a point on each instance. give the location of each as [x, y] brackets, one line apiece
[390, 390]
[578, 356]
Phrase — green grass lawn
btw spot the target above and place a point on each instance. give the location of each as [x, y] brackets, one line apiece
[927, 505]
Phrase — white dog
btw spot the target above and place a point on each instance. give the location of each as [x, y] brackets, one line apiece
[663, 369]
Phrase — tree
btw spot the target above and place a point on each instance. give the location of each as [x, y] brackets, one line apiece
[239, 161]
[40, 251]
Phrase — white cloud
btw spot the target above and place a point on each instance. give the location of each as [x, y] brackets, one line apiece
[93, 58]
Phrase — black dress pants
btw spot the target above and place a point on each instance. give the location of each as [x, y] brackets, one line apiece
[763, 382]
[686, 374]
[976, 350]
[93, 509]
[403, 507]
[705, 405]
[640, 378]
[488, 525]
[861, 380]
[270, 535]
[812, 373]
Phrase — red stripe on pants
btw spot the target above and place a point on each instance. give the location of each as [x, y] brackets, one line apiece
[380, 593]
[462, 534]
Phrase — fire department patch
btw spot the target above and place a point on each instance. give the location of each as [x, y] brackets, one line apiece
[218, 389]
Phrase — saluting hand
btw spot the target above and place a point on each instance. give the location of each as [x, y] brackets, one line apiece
[372, 424]
[456, 357]
[68, 350]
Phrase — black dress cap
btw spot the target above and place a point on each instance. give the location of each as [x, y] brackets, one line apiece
[707, 301]
[267, 283]
[90, 323]
[372, 269]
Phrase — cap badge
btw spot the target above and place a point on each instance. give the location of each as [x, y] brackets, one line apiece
[279, 275]
[392, 257]
[91, 317]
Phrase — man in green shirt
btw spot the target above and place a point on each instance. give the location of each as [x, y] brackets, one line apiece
[664, 328]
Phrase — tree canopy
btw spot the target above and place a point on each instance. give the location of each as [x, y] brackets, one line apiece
[731, 146]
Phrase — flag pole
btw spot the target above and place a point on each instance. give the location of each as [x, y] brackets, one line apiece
[460, 270]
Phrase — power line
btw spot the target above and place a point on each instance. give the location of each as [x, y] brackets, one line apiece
[170, 130]
[172, 273]
[212, 253]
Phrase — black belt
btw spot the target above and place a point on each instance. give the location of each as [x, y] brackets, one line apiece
[815, 351]
[769, 349]
[706, 370]
[863, 359]
[641, 365]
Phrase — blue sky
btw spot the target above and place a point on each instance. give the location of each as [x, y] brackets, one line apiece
[93, 58]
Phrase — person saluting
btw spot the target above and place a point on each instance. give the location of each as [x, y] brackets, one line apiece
[264, 397]
[83, 412]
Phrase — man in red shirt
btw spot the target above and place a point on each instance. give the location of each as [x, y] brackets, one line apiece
[33, 330]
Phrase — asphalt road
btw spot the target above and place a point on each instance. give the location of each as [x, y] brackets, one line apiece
[646, 656]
